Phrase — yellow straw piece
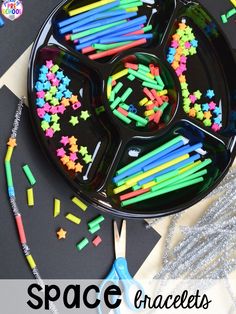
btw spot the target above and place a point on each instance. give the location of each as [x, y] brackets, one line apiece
[233, 2]
[163, 92]
[134, 9]
[120, 74]
[150, 75]
[9, 153]
[143, 101]
[148, 113]
[79, 203]
[89, 7]
[150, 102]
[30, 197]
[73, 219]
[31, 261]
[57, 207]
[189, 167]
[149, 185]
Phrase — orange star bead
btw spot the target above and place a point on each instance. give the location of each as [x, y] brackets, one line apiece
[192, 112]
[65, 160]
[61, 234]
[74, 148]
[207, 115]
[182, 26]
[74, 99]
[176, 37]
[78, 168]
[175, 65]
[65, 102]
[11, 142]
[72, 140]
[182, 79]
[70, 165]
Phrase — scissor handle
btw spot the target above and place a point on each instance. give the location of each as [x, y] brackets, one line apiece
[121, 267]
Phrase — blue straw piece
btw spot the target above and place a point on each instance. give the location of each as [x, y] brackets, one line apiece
[111, 40]
[1, 22]
[137, 21]
[172, 156]
[104, 22]
[92, 12]
[125, 31]
[174, 167]
[138, 167]
[98, 17]
[86, 44]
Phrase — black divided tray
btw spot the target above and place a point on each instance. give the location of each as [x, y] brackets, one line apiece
[213, 67]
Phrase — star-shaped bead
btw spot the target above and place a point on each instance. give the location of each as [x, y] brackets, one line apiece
[53, 110]
[47, 117]
[47, 86]
[49, 132]
[56, 127]
[212, 105]
[40, 94]
[46, 107]
[78, 167]
[65, 102]
[48, 96]
[192, 112]
[44, 69]
[61, 234]
[39, 86]
[198, 94]
[74, 99]
[83, 150]
[64, 140]
[218, 120]
[11, 142]
[197, 107]
[207, 122]
[40, 112]
[65, 159]
[194, 43]
[210, 93]
[44, 125]
[88, 159]
[200, 115]
[59, 95]
[74, 120]
[62, 88]
[205, 107]
[53, 90]
[73, 140]
[207, 115]
[73, 157]
[84, 115]
[74, 148]
[67, 93]
[59, 75]
[61, 152]
[50, 76]
[49, 64]
[66, 80]
[70, 165]
[55, 118]
[55, 82]
[54, 101]
[61, 109]
[40, 102]
[42, 77]
[192, 98]
[217, 111]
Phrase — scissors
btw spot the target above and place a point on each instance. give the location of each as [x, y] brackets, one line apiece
[119, 270]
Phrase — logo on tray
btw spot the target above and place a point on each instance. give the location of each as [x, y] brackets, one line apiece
[12, 9]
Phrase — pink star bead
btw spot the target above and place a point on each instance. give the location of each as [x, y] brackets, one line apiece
[73, 157]
[61, 152]
[64, 140]
[174, 44]
[192, 98]
[183, 59]
[61, 109]
[187, 45]
[55, 82]
[179, 71]
[53, 110]
[49, 132]
[183, 67]
[46, 107]
[40, 94]
[76, 105]
[50, 76]
[215, 127]
[212, 105]
[40, 112]
[49, 64]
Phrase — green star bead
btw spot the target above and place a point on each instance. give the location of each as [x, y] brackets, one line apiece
[54, 101]
[55, 118]
[185, 52]
[207, 122]
[187, 102]
[45, 125]
[200, 115]
[185, 93]
[198, 94]
[56, 127]
[191, 37]
[84, 115]
[188, 30]
[192, 51]
[180, 32]
[197, 107]
[74, 120]
[83, 150]
[53, 90]
[48, 96]
[186, 109]
[55, 68]
[184, 85]
[88, 159]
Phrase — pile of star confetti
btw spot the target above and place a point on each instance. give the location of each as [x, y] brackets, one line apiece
[196, 105]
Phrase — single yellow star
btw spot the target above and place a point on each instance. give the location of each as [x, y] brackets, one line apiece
[61, 234]
[11, 142]
[70, 165]
[78, 167]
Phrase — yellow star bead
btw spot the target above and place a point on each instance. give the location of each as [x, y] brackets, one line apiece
[78, 168]
[70, 165]
[65, 160]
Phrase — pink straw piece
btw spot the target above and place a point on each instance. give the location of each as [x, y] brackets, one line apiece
[88, 49]
[117, 50]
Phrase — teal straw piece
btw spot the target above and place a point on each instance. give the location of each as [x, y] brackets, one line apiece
[151, 154]
[117, 88]
[230, 13]
[29, 174]
[126, 94]
[94, 229]
[159, 80]
[144, 68]
[115, 103]
[124, 106]
[131, 77]
[122, 117]
[112, 96]
[96, 221]
[8, 174]
[153, 86]
[140, 75]
[161, 192]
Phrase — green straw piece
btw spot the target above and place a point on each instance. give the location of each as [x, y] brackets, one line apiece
[230, 13]
[110, 46]
[194, 176]
[137, 118]
[124, 106]
[147, 28]
[144, 68]
[161, 192]
[29, 174]
[94, 229]
[131, 77]
[95, 30]
[159, 80]
[126, 94]
[127, 6]
[224, 18]
[112, 96]
[96, 221]
[141, 76]
[153, 86]
[8, 174]
[151, 154]
[115, 103]
[82, 244]
[117, 88]
[121, 117]
[121, 182]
